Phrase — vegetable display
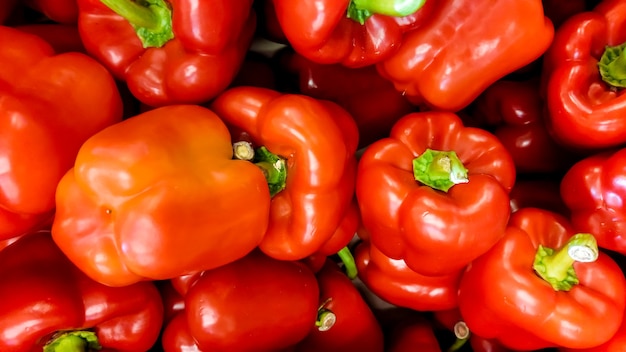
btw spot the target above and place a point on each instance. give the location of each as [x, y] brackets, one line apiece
[313, 175]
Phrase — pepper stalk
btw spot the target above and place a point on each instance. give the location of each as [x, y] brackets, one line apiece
[439, 169]
[73, 341]
[151, 19]
[361, 10]
[557, 266]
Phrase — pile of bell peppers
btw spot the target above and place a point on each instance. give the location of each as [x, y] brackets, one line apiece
[320, 175]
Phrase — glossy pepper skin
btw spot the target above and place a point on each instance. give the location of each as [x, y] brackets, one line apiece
[256, 303]
[394, 282]
[586, 112]
[44, 96]
[355, 327]
[514, 110]
[592, 191]
[436, 231]
[206, 45]
[554, 301]
[371, 100]
[427, 68]
[44, 294]
[330, 31]
[317, 140]
[615, 344]
[158, 196]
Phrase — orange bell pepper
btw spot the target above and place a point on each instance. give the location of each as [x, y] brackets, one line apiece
[158, 196]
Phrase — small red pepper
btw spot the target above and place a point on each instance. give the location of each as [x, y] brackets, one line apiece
[583, 79]
[354, 33]
[256, 303]
[543, 285]
[394, 282]
[593, 192]
[169, 52]
[314, 142]
[47, 303]
[346, 322]
[453, 56]
[435, 192]
[371, 100]
[514, 111]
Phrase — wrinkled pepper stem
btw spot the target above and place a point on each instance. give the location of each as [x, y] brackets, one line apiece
[361, 10]
[557, 266]
[273, 166]
[152, 19]
[462, 334]
[349, 264]
[325, 317]
[439, 170]
[612, 65]
[73, 341]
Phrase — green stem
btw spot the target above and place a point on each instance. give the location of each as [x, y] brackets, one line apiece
[557, 266]
[361, 10]
[439, 170]
[274, 168]
[349, 264]
[612, 65]
[73, 341]
[462, 334]
[152, 19]
[325, 319]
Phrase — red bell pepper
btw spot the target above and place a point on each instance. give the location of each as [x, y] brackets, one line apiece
[453, 56]
[315, 141]
[256, 303]
[347, 323]
[158, 196]
[372, 101]
[394, 282]
[513, 110]
[177, 51]
[435, 192]
[58, 11]
[592, 190]
[47, 303]
[543, 285]
[581, 79]
[43, 97]
[354, 33]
